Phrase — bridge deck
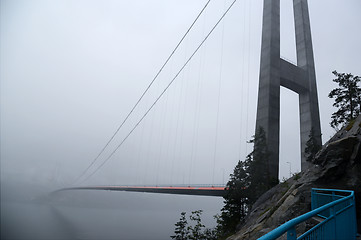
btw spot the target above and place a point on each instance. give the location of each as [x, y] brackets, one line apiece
[183, 190]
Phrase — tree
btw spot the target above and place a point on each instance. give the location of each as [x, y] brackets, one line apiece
[194, 231]
[235, 201]
[347, 98]
[181, 230]
[257, 165]
[312, 146]
[250, 179]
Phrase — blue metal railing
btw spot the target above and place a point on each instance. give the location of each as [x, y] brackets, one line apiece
[336, 207]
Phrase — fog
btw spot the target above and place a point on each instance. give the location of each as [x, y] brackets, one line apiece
[99, 214]
[71, 71]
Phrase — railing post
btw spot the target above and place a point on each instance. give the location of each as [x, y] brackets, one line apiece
[291, 234]
[313, 199]
[353, 209]
[333, 218]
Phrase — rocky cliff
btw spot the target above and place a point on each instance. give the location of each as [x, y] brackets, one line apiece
[337, 165]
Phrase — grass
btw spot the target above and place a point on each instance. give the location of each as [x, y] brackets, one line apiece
[297, 176]
[350, 125]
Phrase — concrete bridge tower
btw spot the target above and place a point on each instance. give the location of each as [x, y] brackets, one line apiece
[276, 72]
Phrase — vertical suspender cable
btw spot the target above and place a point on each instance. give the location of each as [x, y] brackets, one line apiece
[184, 112]
[138, 180]
[241, 133]
[248, 61]
[218, 102]
[197, 107]
[176, 132]
[163, 127]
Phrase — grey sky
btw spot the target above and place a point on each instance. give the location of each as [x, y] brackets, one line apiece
[72, 70]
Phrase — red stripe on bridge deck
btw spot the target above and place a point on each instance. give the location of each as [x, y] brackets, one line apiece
[148, 187]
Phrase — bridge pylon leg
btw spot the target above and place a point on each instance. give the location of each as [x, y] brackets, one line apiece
[276, 72]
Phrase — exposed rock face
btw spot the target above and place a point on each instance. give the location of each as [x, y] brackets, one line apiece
[337, 165]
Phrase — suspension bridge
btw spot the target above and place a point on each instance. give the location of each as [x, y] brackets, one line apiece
[275, 72]
[170, 130]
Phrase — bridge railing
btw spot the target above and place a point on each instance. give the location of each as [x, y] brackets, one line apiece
[335, 207]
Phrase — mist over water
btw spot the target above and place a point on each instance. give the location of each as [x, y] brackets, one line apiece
[91, 214]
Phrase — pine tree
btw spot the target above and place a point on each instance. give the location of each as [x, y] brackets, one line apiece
[312, 146]
[181, 230]
[235, 201]
[347, 98]
[250, 179]
[196, 231]
[257, 167]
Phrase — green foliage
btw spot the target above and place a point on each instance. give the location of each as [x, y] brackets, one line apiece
[350, 125]
[312, 145]
[235, 201]
[195, 231]
[250, 179]
[347, 98]
[296, 176]
[211, 234]
[257, 167]
[181, 230]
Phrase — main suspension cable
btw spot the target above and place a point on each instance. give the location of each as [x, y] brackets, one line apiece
[158, 98]
[141, 97]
